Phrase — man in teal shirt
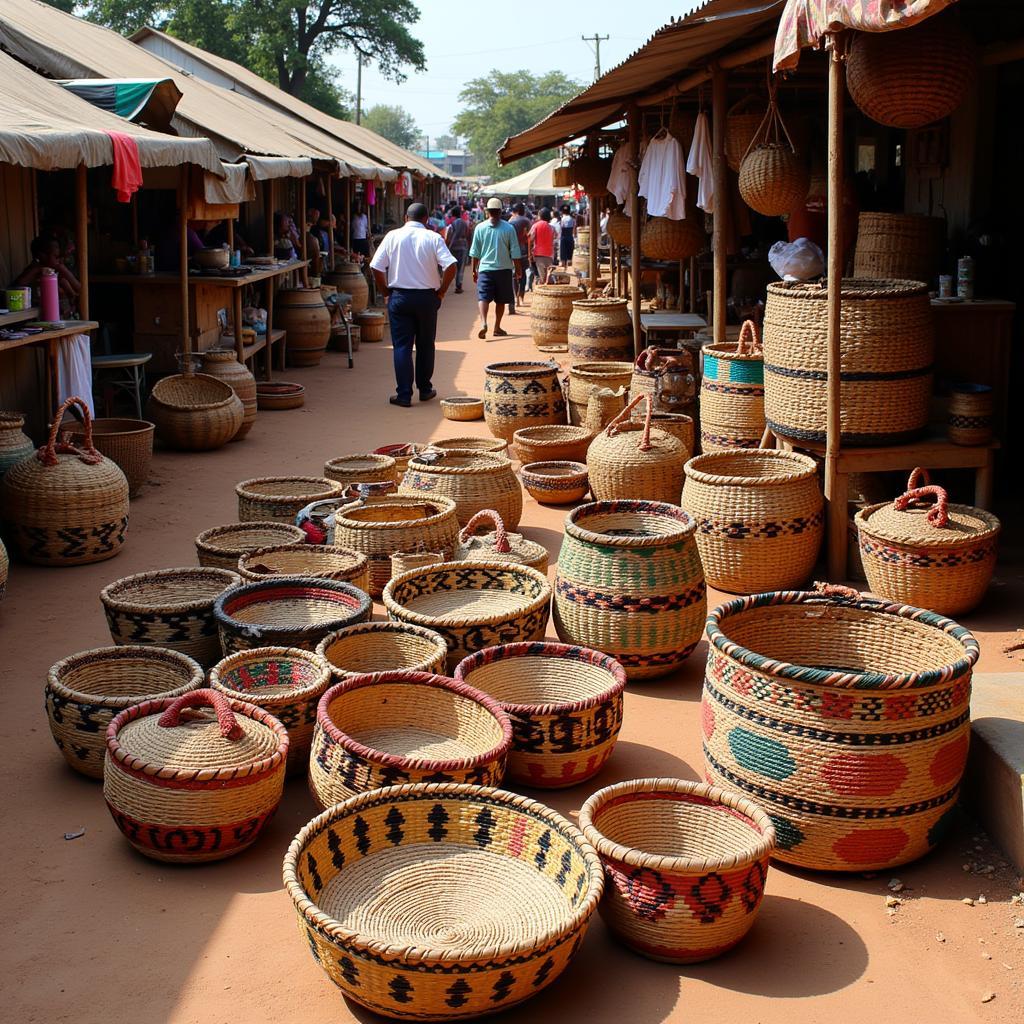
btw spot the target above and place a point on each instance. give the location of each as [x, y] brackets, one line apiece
[495, 254]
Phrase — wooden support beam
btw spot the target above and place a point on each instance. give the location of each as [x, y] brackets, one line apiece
[82, 238]
[348, 214]
[329, 188]
[268, 213]
[186, 329]
[720, 171]
[303, 233]
[633, 209]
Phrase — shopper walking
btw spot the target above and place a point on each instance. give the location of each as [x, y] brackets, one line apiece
[413, 269]
[542, 245]
[566, 236]
[456, 237]
[496, 256]
[522, 223]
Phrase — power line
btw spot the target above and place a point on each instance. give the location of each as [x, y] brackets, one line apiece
[596, 40]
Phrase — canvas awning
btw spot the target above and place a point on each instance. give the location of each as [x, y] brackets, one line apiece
[534, 182]
[149, 101]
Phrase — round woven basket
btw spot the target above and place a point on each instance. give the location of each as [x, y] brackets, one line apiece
[561, 443]
[549, 315]
[291, 611]
[760, 518]
[462, 408]
[630, 583]
[223, 364]
[279, 395]
[687, 864]
[680, 426]
[732, 393]
[85, 691]
[472, 604]
[170, 608]
[473, 480]
[403, 561]
[618, 228]
[320, 561]
[586, 378]
[970, 414]
[281, 498]
[847, 718]
[564, 724]
[669, 377]
[187, 785]
[905, 246]
[284, 681]
[497, 545]
[15, 444]
[664, 239]
[385, 728]
[222, 546]
[474, 914]
[555, 483]
[937, 556]
[382, 647]
[127, 443]
[600, 330]
[361, 469]
[886, 353]
[523, 394]
[194, 411]
[362, 492]
[774, 179]
[494, 445]
[740, 127]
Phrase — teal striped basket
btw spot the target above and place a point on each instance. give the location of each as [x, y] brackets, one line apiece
[732, 393]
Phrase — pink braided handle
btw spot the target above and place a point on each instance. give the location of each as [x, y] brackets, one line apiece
[501, 544]
[836, 590]
[645, 441]
[749, 342]
[938, 514]
[229, 727]
[919, 477]
[47, 455]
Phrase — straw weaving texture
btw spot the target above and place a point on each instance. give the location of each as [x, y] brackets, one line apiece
[361, 469]
[905, 246]
[194, 411]
[281, 498]
[382, 647]
[555, 483]
[549, 315]
[561, 443]
[523, 394]
[462, 408]
[493, 445]
[222, 546]
[586, 377]
[600, 330]
[322, 561]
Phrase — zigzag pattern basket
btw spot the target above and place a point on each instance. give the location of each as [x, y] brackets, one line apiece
[522, 394]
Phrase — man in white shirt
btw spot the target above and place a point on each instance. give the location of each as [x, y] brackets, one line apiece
[360, 231]
[413, 269]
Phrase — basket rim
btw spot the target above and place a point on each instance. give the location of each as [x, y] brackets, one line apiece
[534, 469]
[112, 602]
[535, 437]
[497, 445]
[330, 489]
[231, 661]
[853, 288]
[362, 607]
[727, 351]
[140, 426]
[359, 560]
[462, 400]
[992, 529]
[199, 406]
[547, 649]
[488, 463]
[374, 458]
[553, 289]
[804, 467]
[608, 302]
[849, 680]
[203, 539]
[519, 368]
[638, 507]
[332, 928]
[358, 628]
[447, 508]
[279, 388]
[659, 788]
[604, 369]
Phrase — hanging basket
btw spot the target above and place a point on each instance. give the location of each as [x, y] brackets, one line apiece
[774, 178]
[561, 176]
[591, 174]
[618, 228]
[664, 239]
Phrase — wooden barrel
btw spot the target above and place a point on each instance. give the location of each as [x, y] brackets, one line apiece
[302, 313]
[600, 331]
[347, 277]
[223, 363]
[549, 315]
[585, 378]
[371, 324]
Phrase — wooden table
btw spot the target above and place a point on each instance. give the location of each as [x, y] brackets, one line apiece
[19, 316]
[51, 339]
[670, 323]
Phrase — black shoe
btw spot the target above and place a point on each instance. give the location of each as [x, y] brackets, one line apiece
[458, 291]
[405, 403]
[426, 396]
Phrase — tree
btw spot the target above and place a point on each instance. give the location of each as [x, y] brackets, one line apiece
[445, 142]
[504, 103]
[67, 6]
[394, 123]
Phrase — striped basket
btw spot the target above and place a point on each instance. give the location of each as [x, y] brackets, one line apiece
[564, 724]
[387, 728]
[521, 394]
[732, 393]
[371, 874]
[630, 583]
[858, 764]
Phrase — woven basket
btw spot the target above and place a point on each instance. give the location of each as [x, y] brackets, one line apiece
[970, 414]
[732, 393]
[15, 445]
[551, 443]
[85, 691]
[549, 315]
[603, 407]
[188, 788]
[127, 443]
[223, 364]
[630, 583]
[498, 546]
[664, 239]
[939, 557]
[618, 228]
[320, 561]
[292, 611]
[286, 682]
[401, 453]
[66, 505]
[462, 408]
[680, 426]
[591, 173]
[564, 724]
[363, 492]
[281, 498]
[194, 412]
[586, 378]
[905, 246]
[473, 480]
[561, 176]
[386, 728]
[472, 604]
[847, 718]
[687, 864]
[887, 350]
[494, 445]
[669, 376]
[774, 179]
[760, 518]
[480, 897]
[222, 546]
[382, 647]
[170, 608]
[600, 330]
[740, 127]
[279, 395]
[403, 561]
[555, 483]
[913, 77]
[632, 460]
[361, 469]
[523, 394]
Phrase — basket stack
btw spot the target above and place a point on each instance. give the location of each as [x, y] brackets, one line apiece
[523, 394]
[732, 393]
[549, 315]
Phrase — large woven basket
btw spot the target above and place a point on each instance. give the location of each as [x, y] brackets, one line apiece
[170, 608]
[385, 728]
[473, 480]
[670, 376]
[321, 561]
[887, 350]
[549, 315]
[969, 420]
[292, 611]
[732, 393]
[194, 411]
[381, 527]
[848, 719]
[633, 460]
[630, 583]
[15, 444]
[600, 331]
[585, 378]
[564, 724]
[664, 239]
[498, 545]
[85, 691]
[284, 681]
[774, 179]
[281, 498]
[687, 863]
[382, 647]
[905, 246]
[523, 394]
[67, 505]
[760, 518]
[472, 604]
[480, 898]
[618, 228]
[188, 786]
[937, 556]
[361, 469]
[128, 443]
[494, 445]
[561, 443]
[680, 426]
[222, 546]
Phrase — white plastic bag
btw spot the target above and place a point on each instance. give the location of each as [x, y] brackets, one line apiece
[797, 261]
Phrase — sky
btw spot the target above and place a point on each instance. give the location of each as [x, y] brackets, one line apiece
[467, 41]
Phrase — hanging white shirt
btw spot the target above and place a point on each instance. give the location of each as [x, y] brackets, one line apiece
[700, 164]
[618, 179]
[412, 256]
[663, 177]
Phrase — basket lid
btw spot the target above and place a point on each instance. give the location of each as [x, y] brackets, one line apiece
[497, 546]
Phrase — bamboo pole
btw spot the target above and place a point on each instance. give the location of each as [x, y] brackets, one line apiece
[82, 238]
[719, 102]
[186, 328]
[633, 120]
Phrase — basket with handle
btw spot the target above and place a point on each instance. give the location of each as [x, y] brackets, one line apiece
[498, 545]
[741, 124]
[129, 443]
[732, 393]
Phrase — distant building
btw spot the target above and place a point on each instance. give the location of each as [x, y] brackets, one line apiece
[456, 162]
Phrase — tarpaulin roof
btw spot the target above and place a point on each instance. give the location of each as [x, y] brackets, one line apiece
[150, 101]
[805, 22]
[43, 126]
[534, 182]
[684, 45]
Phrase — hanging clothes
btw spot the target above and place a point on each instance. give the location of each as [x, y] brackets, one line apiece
[618, 179]
[371, 194]
[74, 369]
[403, 185]
[126, 177]
[700, 163]
[663, 177]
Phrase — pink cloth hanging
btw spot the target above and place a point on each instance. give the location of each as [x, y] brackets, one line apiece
[371, 194]
[126, 178]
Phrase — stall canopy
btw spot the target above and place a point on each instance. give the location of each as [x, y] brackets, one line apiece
[148, 101]
[535, 182]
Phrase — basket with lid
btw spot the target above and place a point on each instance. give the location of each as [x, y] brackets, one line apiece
[521, 394]
[498, 545]
[281, 498]
[222, 546]
[382, 647]
[922, 550]
[321, 561]
[361, 469]
[194, 778]
[732, 393]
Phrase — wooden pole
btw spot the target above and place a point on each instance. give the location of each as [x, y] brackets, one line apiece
[719, 102]
[302, 229]
[186, 329]
[595, 232]
[268, 213]
[330, 228]
[231, 233]
[348, 215]
[693, 284]
[633, 208]
[82, 238]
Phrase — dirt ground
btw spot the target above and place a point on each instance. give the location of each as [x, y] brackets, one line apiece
[93, 932]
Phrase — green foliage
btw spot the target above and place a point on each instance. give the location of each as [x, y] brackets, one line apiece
[504, 103]
[67, 6]
[394, 123]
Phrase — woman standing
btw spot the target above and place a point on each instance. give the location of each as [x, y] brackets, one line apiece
[567, 236]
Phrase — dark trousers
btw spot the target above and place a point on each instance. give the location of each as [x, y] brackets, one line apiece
[413, 315]
[460, 266]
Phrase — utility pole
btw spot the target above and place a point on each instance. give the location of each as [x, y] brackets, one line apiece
[359, 87]
[597, 41]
